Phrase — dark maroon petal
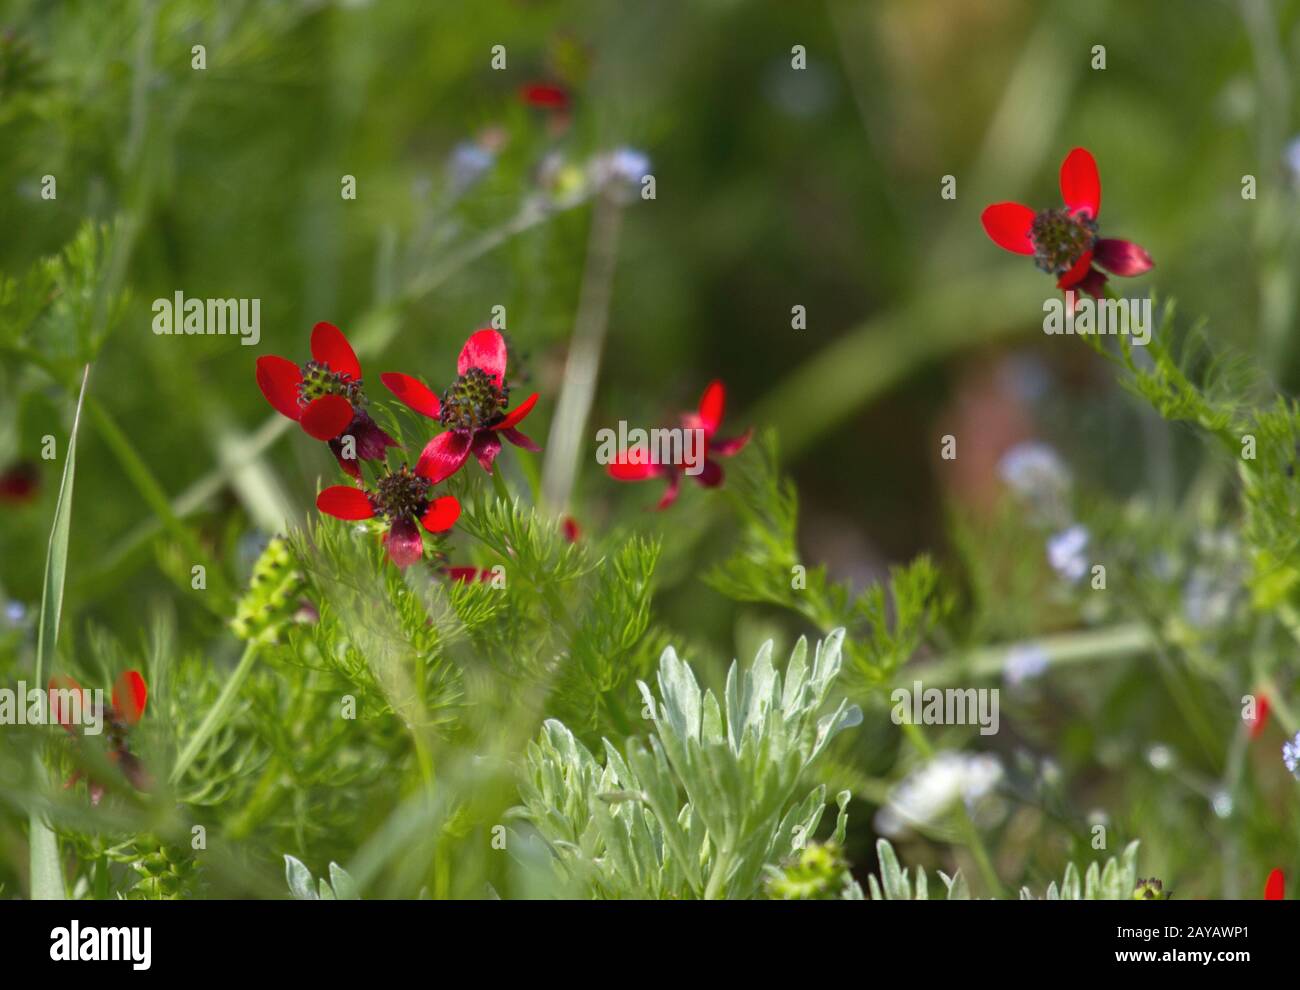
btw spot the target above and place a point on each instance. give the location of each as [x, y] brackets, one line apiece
[1122, 257]
[485, 350]
[731, 446]
[19, 482]
[350, 465]
[486, 446]
[1094, 283]
[711, 476]
[371, 440]
[404, 543]
[443, 455]
[519, 440]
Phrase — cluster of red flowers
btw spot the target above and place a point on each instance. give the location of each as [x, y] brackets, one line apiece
[326, 397]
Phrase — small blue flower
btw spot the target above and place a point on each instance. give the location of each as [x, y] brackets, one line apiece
[1067, 552]
[1024, 663]
[1291, 755]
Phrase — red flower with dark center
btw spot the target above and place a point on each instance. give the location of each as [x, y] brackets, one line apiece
[401, 499]
[473, 409]
[129, 698]
[325, 397]
[19, 482]
[640, 464]
[1064, 242]
[1275, 887]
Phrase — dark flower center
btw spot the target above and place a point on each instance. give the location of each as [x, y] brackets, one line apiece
[473, 402]
[401, 495]
[318, 380]
[1061, 239]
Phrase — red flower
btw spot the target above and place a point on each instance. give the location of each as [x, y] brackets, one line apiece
[325, 397]
[639, 464]
[1256, 726]
[1275, 887]
[130, 696]
[19, 482]
[572, 531]
[1064, 242]
[468, 575]
[545, 95]
[473, 409]
[401, 499]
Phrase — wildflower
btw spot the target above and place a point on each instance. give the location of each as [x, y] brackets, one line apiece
[1291, 755]
[129, 698]
[19, 482]
[401, 499]
[468, 575]
[1034, 470]
[545, 95]
[325, 397]
[1150, 890]
[1255, 726]
[473, 409]
[1275, 886]
[1024, 663]
[1064, 242]
[620, 171]
[639, 463]
[1067, 552]
[928, 793]
[572, 531]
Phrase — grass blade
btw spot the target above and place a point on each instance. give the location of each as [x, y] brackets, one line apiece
[46, 870]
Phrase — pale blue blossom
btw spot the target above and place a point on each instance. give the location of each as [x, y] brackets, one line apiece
[1067, 552]
[1291, 755]
[1024, 663]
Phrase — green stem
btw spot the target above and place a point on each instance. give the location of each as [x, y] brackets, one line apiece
[217, 713]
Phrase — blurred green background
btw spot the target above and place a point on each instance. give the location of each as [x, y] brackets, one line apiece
[775, 188]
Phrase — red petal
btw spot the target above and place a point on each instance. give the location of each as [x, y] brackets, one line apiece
[572, 531]
[1008, 225]
[548, 96]
[485, 350]
[731, 446]
[1122, 257]
[413, 393]
[329, 346]
[348, 464]
[61, 682]
[670, 493]
[1261, 717]
[1080, 183]
[279, 378]
[441, 514]
[345, 502]
[466, 574]
[326, 417]
[1076, 273]
[712, 405]
[443, 455]
[633, 465]
[520, 440]
[404, 543]
[130, 695]
[1275, 888]
[517, 414]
